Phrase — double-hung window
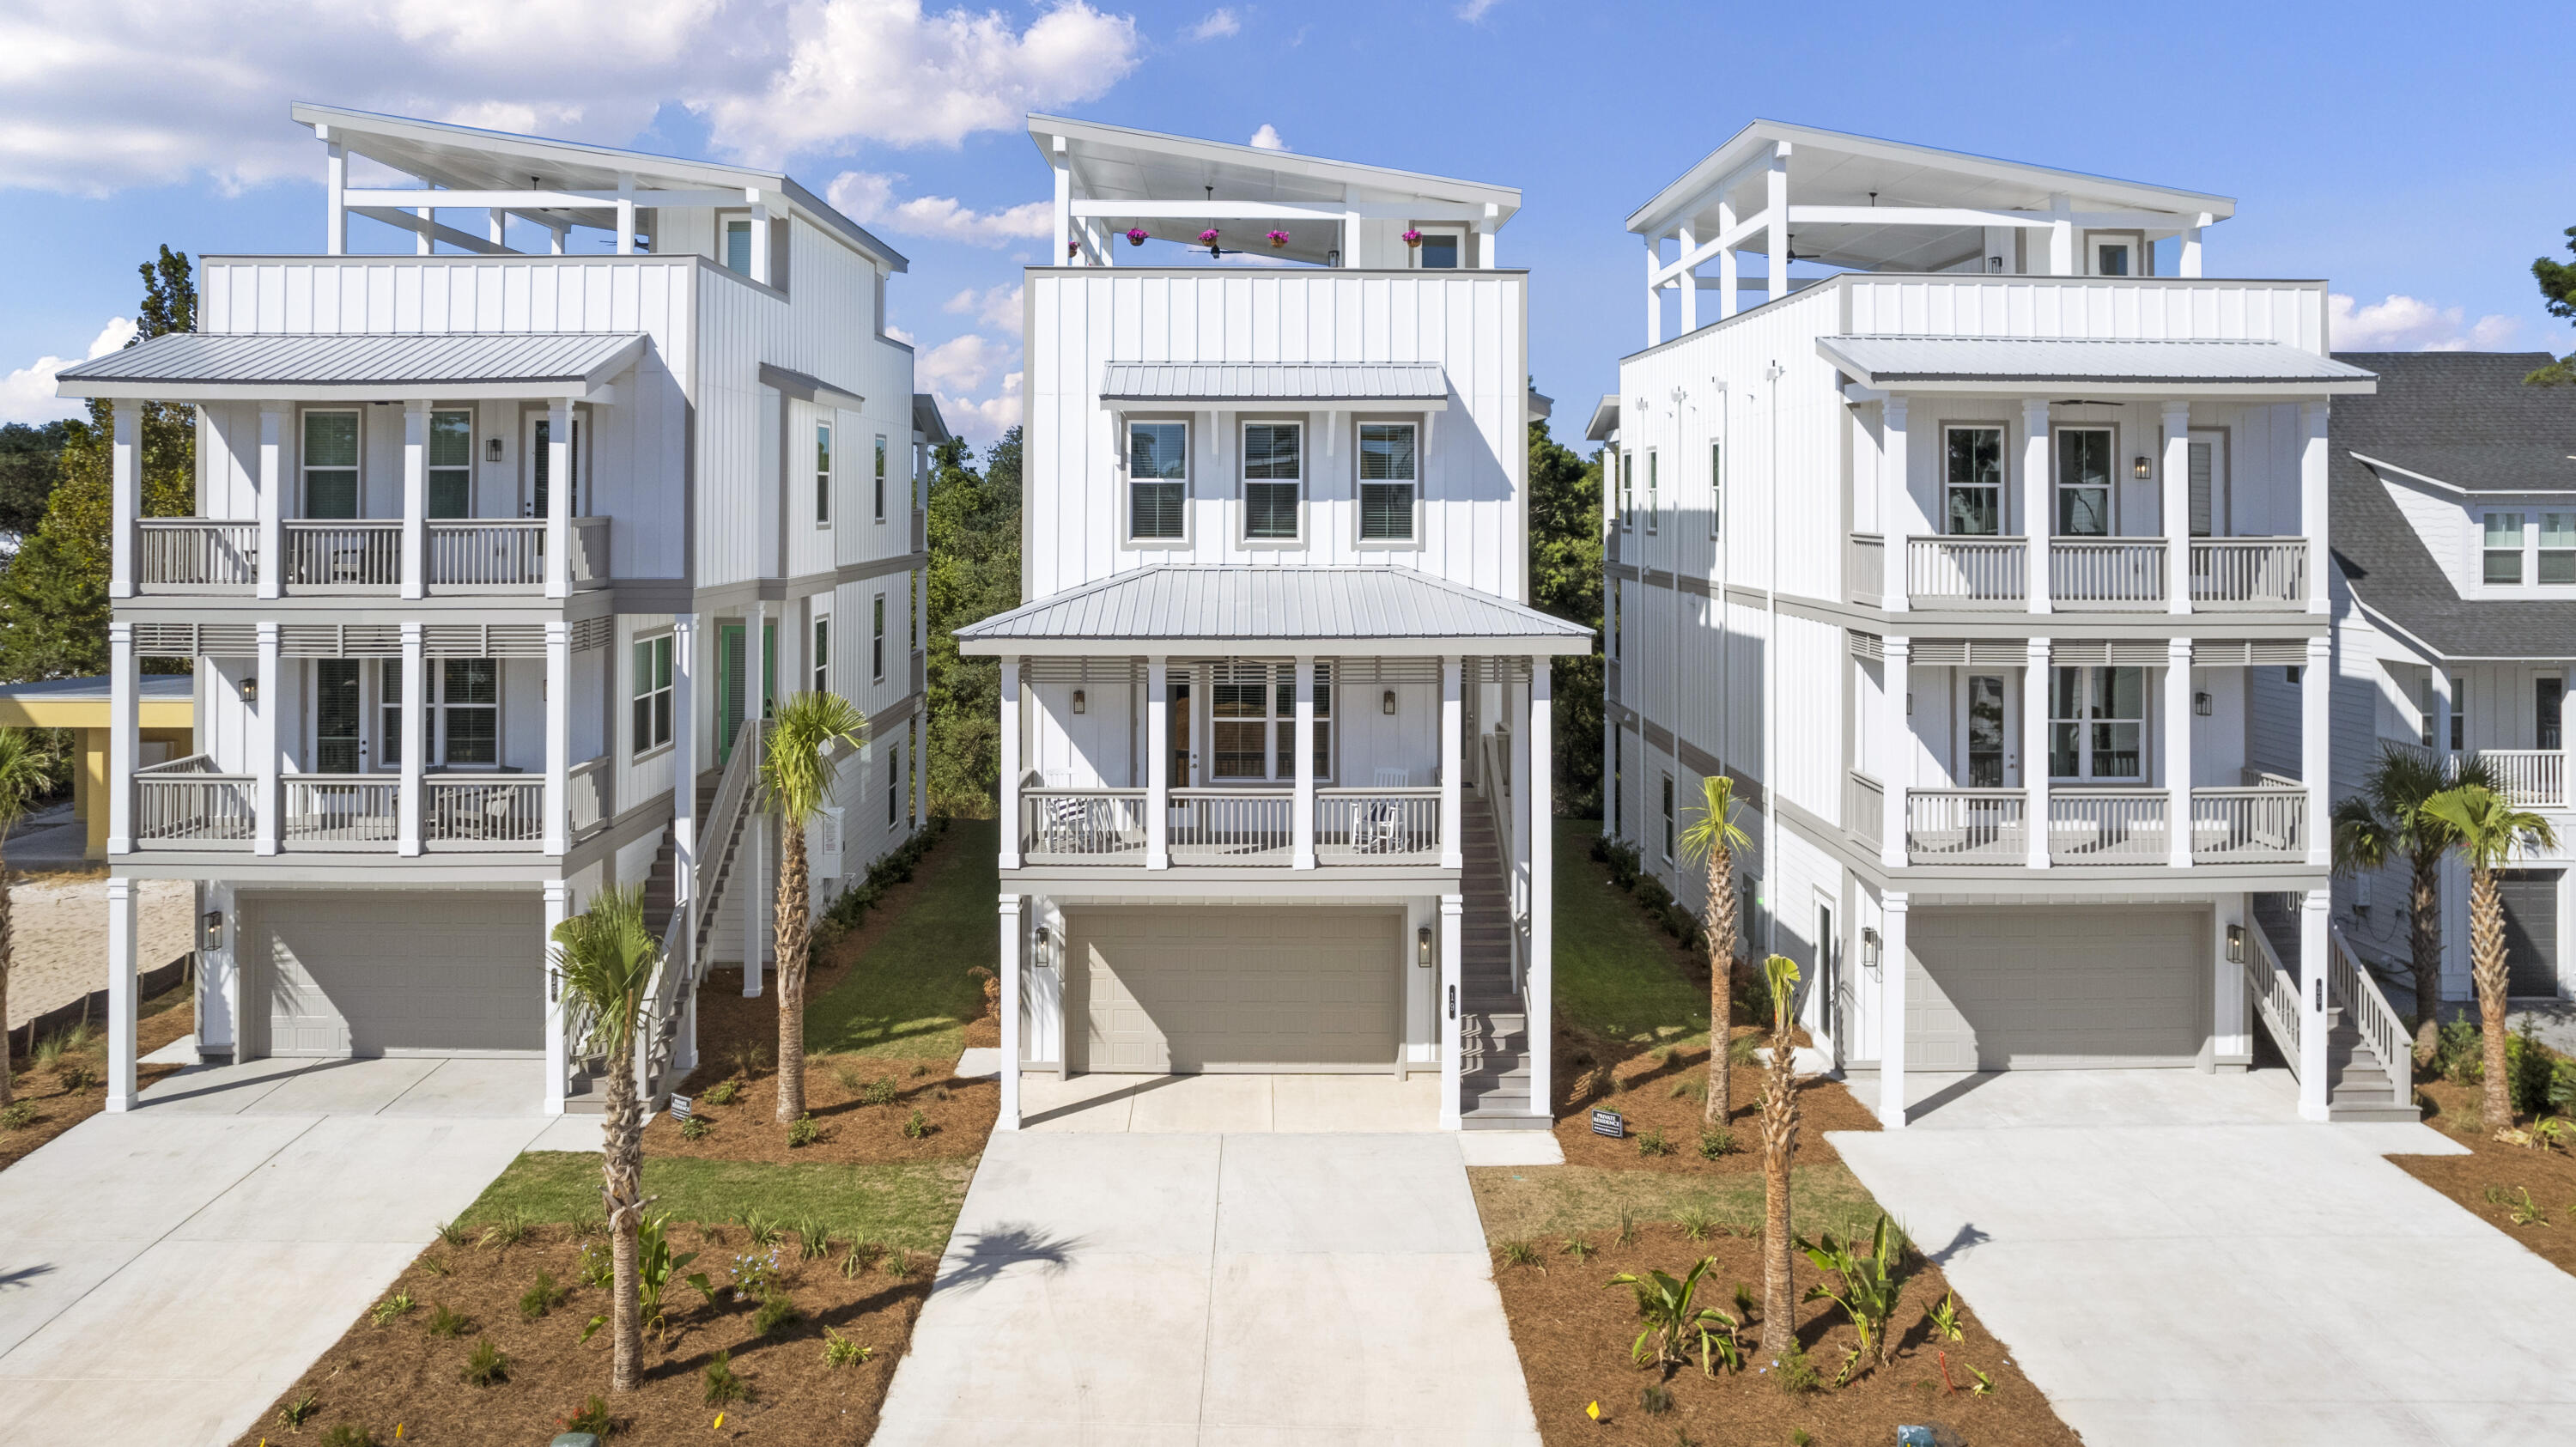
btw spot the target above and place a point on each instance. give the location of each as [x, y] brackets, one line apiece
[1668, 818]
[389, 697]
[1972, 502]
[1253, 708]
[737, 247]
[1273, 478]
[1627, 489]
[1716, 488]
[2096, 717]
[2504, 547]
[881, 450]
[822, 655]
[876, 643]
[2084, 482]
[1654, 488]
[823, 474]
[2459, 714]
[2548, 696]
[651, 694]
[2557, 547]
[1388, 474]
[894, 783]
[469, 710]
[331, 464]
[1158, 479]
[451, 464]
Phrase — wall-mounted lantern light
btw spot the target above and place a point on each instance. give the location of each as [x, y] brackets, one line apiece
[1080, 704]
[1386, 703]
[2141, 468]
[1045, 951]
[1869, 948]
[2203, 705]
[250, 690]
[2236, 944]
[215, 924]
[1422, 947]
[492, 450]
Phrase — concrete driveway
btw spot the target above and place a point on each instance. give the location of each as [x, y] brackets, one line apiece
[1216, 1290]
[2175, 1258]
[164, 1274]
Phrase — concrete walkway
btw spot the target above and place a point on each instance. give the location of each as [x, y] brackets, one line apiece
[1213, 1290]
[2174, 1257]
[164, 1274]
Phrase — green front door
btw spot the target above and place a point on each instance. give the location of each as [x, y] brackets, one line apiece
[733, 680]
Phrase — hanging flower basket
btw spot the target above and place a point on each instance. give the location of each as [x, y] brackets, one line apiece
[1208, 237]
[1278, 238]
[1135, 235]
[1413, 238]
[1073, 248]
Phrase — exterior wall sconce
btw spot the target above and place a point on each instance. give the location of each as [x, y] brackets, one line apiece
[2141, 468]
[2203, 705]
[1080, 704]
[1422, 948]
[2236, 944]
[1044, 954]
[215, 924]
[1386, 703]
[1869, 949]
[492, 449]
[250, 690]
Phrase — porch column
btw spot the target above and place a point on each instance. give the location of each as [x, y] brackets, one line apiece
[415, 739]
[1301, 823]
[219, 977]
[335, 226]
[755, 888]
[1893, 908]
[2177, 741]
[1523, 761]
[559, 498]
[263, 742]
[626, 213]
[2187, 259]
[2177, 507]
[2316, 735]
[2313, 1003]
[1540, 1001]
[558, 834]
[124, 737]
[558, 1047]
[2312, 501]
[272, 497]
[121, 985]
[759, 238]
[1010, 761]
[1727, 287]
[2231, 1049]
[2035, 488]
[1896, 674]
[1453, 908]
[684, 791]
[1654, 296]
[1452, 752]
[1158, 763]
[415, 499]
[125, 494]
[1895, 510]
[1010, 1116]
[2566, 739]
[2034, 751]
[1689, 284]
[1775, 205]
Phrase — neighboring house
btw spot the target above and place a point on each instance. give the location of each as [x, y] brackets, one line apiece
[497, 550]
[2455, 533]
[167, 730]
[1268, 720]
[1970, 562]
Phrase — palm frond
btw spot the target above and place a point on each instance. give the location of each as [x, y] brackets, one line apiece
[2485, 825]
[604, 958]
[1715, 828]
[803, 752]
[24, 776]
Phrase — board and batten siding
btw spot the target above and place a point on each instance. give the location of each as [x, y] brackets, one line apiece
[1474, 518]
[2149, 308]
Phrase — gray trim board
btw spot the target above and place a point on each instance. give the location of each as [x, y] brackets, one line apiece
[805, 387]
[1208, 884]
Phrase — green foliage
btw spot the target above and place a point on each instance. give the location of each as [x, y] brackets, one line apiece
[722, 1385]
[507, 1229]
[1718, 1141]
[1943, 1317]
[813, 1238]
[444, 1323]
[541, 1297]
[811, 733]
[485, 1366]
[605, 957]
[1653, 1143]
[803, 1131]
[696, 1128]
[1578, 1248]
[861, 1256]
[898, 1264]
[1519, 1253]
[434, 1265]
[973, 530]
[840, 1351]
[392, 1306]
[1676, 1325]
[723, 1092]
[777, 1309]
[2531, 1069]
[299, 1411]
[593, 1418]
[1985, 1386]
[2557, 281]
[30, 464]
[2460, 1056]
[1565, 580]
[657, 1266]
[1870, 1284]
[880, 1091]
[1654, 1399]
[850, 908]
[2486, 827]
[761, 1227]
[18, 1115]
[916, 1126]
[902, 1203]
[1793, 1374]
[1695, 1222]
[348, 1434]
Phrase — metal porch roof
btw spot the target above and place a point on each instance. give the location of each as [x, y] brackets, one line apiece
[1414, 384]
[1385, 608]
[187, 365]
[1979, 363]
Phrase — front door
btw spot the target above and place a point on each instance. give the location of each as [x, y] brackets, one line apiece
[337, 748]
[541, 462]
[733, 679]
[1989, 713]
[1177, 736]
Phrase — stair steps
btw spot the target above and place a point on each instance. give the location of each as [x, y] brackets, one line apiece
[1493, 1020]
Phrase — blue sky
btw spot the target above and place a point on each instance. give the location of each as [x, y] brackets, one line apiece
[2416, 159]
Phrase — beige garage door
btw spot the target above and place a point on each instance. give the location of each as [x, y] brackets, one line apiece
[432, 973]
[2039, 989]
[1191, 989]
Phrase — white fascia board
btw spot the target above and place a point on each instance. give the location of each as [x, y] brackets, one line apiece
[2052, 386]
[538, 200]
[1127, 403]
[1958, 216]
[1118, 209]
[598, 393]
[2403, 477]
[1043, 129]
[1272, 647]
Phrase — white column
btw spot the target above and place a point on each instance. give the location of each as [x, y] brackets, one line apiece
[2189, 262]
[2177, 507]
[2061, 237]
[1896, 674]
[1452, 752]
[1689, 242]
[1453, 909]
[1010, 762]
[1301, 824]
[1892, 911]
[2312, 1003]
[2034, 750]
[1058, 157]
[759, 237]
[2566, 738]
[263, 741]
[272, 497]
[415, 739]
[121, 986]
[684, 783]
[558, 1046]
[2312, 501]
[1011, 932]
[755, 898]
[559, 501]
[1158, 764]
[626, 213]
[124, 737]
[558, 830]
[2177, 742]
[1540, 1002]
[1895, 505]
[1775, 183]
[125, 494]
[1654, 297]
[335, 220]
[2316, 736]
[2036, 485]
[415, 496]
[1488, 254]
[2231, 1049]
[1729, 290]
[219, 978]
[496, 226]
[555, 241]
[421, 242]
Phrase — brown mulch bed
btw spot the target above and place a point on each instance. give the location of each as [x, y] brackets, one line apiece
[957, 1114]
[2504, 1169]
[1661, 1090]
[1573, 1335]
[381, 1377]
[58, 1104]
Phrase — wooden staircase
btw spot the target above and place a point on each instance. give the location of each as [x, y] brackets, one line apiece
[1493, 1020]
[2359, 1086]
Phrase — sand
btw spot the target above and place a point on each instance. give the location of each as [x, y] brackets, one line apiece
[61, 937]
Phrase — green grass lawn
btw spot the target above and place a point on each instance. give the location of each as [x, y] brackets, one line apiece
[1616, 973]
[909, 1206]
[1529, 1203]
[909, 995]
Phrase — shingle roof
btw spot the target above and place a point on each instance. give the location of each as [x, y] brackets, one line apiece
[201, 363]
[2467, 419]
[1414, 382]
[1878, 361]
[1207, 604]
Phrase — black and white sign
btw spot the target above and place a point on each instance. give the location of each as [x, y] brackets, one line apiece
[1610, 1123]
[679, 1107]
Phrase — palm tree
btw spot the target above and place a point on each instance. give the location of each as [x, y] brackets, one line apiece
[1711, 841]
[2486, 828]
[796, 780]
[2387, 822]
[604, 960]
[23, 776]
[1779, 1145]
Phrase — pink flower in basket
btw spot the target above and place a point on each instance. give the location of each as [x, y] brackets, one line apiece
[1278, 238]
[1208, 237]
[1413, 238]
[1135, 235]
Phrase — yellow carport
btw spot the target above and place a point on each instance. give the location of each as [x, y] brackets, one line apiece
[169, 729]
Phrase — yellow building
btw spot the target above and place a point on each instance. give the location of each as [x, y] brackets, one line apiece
[169, 729]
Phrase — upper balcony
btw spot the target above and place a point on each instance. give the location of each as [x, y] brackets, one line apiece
[347, 557]
[2106, 574]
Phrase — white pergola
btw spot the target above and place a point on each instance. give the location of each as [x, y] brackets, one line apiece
[1872, 205]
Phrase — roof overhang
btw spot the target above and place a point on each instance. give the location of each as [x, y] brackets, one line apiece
[927, 421]
[2047, 366]
[164, 701]
[1605, 419]
[1265, 612]
[461, 366]
[1405, 386]
[2405, 476]
[805, 388]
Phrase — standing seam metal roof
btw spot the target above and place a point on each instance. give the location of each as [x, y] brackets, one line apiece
[2082, 359]
[1287, 603]
[373, 359]
[1274, 381]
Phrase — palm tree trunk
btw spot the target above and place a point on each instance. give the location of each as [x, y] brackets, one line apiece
[622, 1186]
[2424, 951]
[1719, 1105]
[793, 939]
[2487, 970]
[1779, 1147]
[8, 957]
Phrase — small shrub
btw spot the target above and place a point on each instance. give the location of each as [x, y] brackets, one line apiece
[840, 1351]
[592, 1418]
[541, 1297]
[1793, 1374]
[722, 1385]
[1870, 1284]
[1743, 1301]
[696, 1128]
[19, 1115]
[1944, 1319]
[2528, 1066]
[485, 1366]
[880, 1091]
[863, 1254]
[434, 1265]
[75, 1077]
[453, 1233]
[1519, 1253]
[777, 1309]
[348, 1434]
[804, 1132]
[755, 1274]
[1695, 1223]
[507, 1229]
[750, 1058]
[2460, 1056]
[813, 1239]
[1652, 1143]
[1715, 1142]
[846, 1071]
[586, 1224]
[392, 1306]
[1654, 1401]
[898, 1264]
[445, 1323]
[1801, 1437]
[1578, 1248]
[1677, 1326]
[48, 1052]
[296, 1413]
[919, 1071]
[1652, 894]
[761, 1227]
[917, 1127]
[598, 1265]
[723, 1092]
[2518, 1206]
[1985, 1386]
[1627, 1228]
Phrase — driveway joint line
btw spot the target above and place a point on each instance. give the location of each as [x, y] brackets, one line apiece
[408, 1089]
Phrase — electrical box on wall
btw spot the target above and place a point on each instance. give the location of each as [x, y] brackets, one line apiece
[823, 843]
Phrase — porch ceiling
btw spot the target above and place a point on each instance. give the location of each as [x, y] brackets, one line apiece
[1388, 611]
[192, 366]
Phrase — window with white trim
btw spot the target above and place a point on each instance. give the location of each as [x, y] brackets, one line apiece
[451, 464]
[2096, 723]
[1253, 721]
[2557, 548]
[876, 643]
[737, 245]
[1158, 479]
[2083, 482]
[1654, 488]
[894, 783]
[823, 655]
[1972, 502]
[1627, 490]
[331, 464]
[2504, 547]
[1389, 473]
[1716, 489]
[1668, 818]
[823, 474]
[650, 694]
[881, 460]
[1273, 478]
[468, 710]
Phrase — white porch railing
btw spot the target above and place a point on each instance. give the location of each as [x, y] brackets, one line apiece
[1377, 826]
[1967, 826]
[2249, 572]
[2372, 1015]
[185, 802]
[2531, 778]
[2254, 776]
[1865, 568]
[1233, 826]
[594, 795]
[487, 552]
[1082, 826]
[1864, 807]
[1966, 572]
[2106, 572]
[2249, 824]
[1494, 754]
[2107, 826]
[589, 551]
[507, 810]
[347, 553]
[196, 554]
[340, 810]
[2276, 995]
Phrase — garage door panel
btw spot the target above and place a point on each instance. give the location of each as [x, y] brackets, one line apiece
[371, 974]
[1188, 989]
[2055, 988]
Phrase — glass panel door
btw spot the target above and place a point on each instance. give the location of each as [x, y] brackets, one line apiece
[330, 464]
[451, 464]
[337, 748]
[1986, 715]
[732, 677]
[2084, 482]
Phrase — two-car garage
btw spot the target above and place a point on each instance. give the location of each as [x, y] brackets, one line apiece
[332, 973]
[2056, 987]
[1186, 989]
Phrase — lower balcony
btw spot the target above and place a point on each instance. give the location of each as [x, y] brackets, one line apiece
[187, 804]
[1245, 827]
[2092, 826]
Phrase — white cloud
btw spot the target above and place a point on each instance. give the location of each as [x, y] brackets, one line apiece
[1218, 25]
[985, 420]
[960, 364]
[1267, 138]
[27, 394]
[98, 95]
[1474, 10]
[900, 335]
[997, 306]
[868, 198]
[2406, 324]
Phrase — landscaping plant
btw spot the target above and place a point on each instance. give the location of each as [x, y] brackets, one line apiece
[604, 959]
[797, 765]
[2387, 822]
[722, 1385]
[485, 1366]
[1676, 1324]
[1779, 1148]
[1711, 840]
[1871, 1284]
[2486, 828]
[840, 1351]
